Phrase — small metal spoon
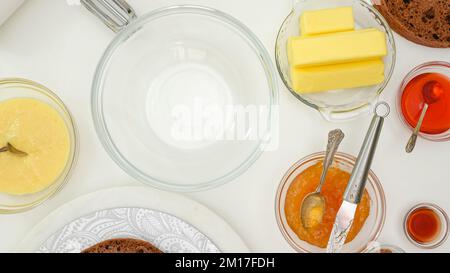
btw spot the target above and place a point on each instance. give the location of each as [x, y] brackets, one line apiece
[431, 94]
[413, 139]
[313, 205]
[10, 148]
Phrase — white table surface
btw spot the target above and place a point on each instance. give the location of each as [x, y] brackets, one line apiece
[59, 45]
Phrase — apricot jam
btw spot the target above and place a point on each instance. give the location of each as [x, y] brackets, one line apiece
[333, 190]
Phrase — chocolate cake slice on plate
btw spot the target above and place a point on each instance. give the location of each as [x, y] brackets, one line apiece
[123, 246]
[426, 22]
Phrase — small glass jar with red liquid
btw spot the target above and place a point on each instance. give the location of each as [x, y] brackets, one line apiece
[426, 225]
[434, 76]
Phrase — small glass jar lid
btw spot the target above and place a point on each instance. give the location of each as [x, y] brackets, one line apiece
[376, 247]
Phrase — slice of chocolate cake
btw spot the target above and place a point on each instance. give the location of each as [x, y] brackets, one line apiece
[426, 22]
[123, 246]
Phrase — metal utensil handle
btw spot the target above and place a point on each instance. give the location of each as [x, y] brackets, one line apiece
[116, 14]
[334, 139]
[358, 178]
[413, 139]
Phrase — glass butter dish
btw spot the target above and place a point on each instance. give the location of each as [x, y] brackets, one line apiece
[339, 104]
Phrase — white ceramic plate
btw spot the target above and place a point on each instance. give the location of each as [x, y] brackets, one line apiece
[168, 233]
[170, 221]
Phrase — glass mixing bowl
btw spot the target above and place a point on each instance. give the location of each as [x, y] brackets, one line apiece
[373, 225]
[170, 75]
[11, 88]
[340, 104]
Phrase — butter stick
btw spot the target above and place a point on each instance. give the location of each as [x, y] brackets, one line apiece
[340, 76]
[341, 47]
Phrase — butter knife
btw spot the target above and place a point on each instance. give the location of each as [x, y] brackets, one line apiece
[355, 187]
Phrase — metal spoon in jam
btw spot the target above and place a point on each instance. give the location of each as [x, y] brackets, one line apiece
[432, 92]
[313, 206]
[10, 148]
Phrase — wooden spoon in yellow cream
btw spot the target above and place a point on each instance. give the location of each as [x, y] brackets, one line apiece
[10, 148]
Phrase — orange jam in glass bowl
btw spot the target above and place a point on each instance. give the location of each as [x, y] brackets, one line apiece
[332, 191]
[301, 179]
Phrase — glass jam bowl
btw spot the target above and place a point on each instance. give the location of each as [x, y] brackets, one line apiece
[13, 88]
[343, 104]
[173, 65]
[371, 228]
[442, 228]
[429, 67]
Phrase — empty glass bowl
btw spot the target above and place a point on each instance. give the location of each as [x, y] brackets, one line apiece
[373, 225]
[337, 104]
[166, 80]
[12, 88]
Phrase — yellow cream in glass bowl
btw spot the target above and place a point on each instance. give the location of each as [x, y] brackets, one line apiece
[37, 129]
[34, 121]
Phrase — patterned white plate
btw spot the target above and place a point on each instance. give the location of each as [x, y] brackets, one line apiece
[168, 233]
[171, 221]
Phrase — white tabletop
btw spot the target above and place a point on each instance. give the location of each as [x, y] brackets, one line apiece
[59, 45]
